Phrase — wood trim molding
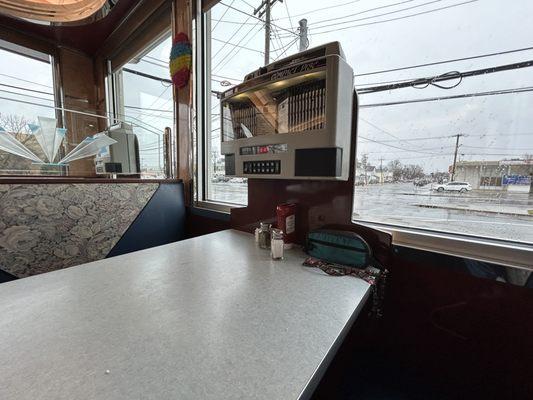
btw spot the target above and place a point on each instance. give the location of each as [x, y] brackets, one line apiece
[26, 40]
[182, 22]
[208, 4]
[39, 180]
[498, 252]
[131, 23]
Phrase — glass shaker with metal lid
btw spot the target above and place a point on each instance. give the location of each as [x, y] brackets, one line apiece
[264, 235]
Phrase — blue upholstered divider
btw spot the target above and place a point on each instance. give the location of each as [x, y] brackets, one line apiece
[161, 221]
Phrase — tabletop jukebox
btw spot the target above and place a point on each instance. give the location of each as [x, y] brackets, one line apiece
[291, 119]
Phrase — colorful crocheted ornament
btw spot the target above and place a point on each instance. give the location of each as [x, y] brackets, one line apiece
[180, 60]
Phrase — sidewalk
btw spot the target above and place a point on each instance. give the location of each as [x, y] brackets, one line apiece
[490, 209]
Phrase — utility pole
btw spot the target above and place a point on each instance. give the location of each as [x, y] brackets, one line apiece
[304, 41]
[264, 9]
[267, 32]
[455, 155]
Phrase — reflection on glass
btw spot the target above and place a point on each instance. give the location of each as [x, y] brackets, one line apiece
[90, 146]
[289, 106]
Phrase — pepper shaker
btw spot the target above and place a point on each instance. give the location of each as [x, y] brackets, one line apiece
[264, 235]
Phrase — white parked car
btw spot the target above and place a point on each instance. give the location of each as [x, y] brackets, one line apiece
[453, 187]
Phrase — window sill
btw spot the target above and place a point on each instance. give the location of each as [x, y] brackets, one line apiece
[216, 206]
[510, 254]
[58, 180]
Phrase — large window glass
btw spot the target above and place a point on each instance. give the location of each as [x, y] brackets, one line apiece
[444, 137]
[144, 99]
[27, 93]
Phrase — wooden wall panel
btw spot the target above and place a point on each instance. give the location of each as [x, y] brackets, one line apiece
[182, 22]
[79, 84]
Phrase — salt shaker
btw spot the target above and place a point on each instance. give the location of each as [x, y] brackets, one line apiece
[276, 244]
[264, 235]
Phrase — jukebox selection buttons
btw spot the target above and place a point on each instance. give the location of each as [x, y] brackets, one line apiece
[262, 167]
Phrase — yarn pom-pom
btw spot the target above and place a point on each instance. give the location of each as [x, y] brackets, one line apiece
[180, 60]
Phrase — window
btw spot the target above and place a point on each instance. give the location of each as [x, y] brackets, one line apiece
[144, 98]
[467, 125]
[468, 122]
[27, 92]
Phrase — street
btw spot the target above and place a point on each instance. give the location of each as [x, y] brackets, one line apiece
[493, 214]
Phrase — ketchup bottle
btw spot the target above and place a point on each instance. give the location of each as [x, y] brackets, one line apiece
[286, 221]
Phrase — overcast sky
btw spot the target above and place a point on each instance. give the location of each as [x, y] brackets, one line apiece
[496, 127]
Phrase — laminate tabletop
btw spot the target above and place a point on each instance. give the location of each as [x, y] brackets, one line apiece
[211, 317]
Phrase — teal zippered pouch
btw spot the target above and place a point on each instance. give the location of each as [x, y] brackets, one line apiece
[339, 247]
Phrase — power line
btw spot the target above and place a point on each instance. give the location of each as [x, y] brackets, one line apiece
[227, 77]
[445, 77]
[24, 80]
[259, 19]
[287, 47]
[320, 9]
[421, 151]
[459, 96]
[248, 4]
[154, 63]
[482, 135]
[221, 65]
[373, 16]
[289, 15]
[278, 40]
[222, 16]
[397, 18]
[149, 109]
[26, 89]
[144, 75]
[26, 95]
[497, 148]
[80, 112]
[236, 45]
[231, 36]
[381, 129]
[171, 98]
[416, 139]
[445, 61]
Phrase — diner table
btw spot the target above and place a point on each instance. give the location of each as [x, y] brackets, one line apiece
[212, 317]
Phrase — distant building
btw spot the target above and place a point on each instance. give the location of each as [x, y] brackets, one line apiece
[508, 175]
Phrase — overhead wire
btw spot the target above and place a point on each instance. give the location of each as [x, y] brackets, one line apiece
[222, 16]
[422, 83]
[459, 96]
[221, 64]
[317, 25]
[421, 151]
[241, 47]
[445, 61]
[395, 19]
[320, 9]
[277, 38]
[27, 89]
[237, 46]
[231, 36]
[25, 80]
[288, 14]
[286, 48]
[80, 112]
[259, 19]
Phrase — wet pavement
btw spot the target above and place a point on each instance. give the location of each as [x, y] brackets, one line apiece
[492, 214]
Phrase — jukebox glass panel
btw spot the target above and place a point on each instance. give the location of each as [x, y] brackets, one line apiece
[293, 105]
